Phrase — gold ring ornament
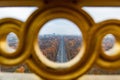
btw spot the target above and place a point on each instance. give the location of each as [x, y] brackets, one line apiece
[98, 32]
[7, 26]
[46, 68]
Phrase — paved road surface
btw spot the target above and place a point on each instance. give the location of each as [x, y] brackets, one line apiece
[61, 55]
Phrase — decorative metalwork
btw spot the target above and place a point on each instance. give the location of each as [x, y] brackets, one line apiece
[28, 49]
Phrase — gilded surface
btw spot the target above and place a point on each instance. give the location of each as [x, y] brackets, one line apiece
[28, 49]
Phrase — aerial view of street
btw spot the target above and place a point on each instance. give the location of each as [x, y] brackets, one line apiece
[60, 48]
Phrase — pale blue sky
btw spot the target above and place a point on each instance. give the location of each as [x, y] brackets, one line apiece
[21, 13]
[103, 13]
[61, 26]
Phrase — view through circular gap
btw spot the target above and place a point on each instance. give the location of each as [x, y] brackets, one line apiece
[12, 42]
[60, 40]
[108, 44]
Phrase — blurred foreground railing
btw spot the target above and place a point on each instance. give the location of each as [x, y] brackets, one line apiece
[24, 76]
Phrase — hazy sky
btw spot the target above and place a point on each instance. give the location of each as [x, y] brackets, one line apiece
[21, 13]
[61, 26]
[103, 13]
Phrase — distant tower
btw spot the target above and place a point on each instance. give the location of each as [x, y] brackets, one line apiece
[53, 33]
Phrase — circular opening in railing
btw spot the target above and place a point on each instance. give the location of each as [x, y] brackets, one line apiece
[12, 42]
[60, 40]
[108, 44]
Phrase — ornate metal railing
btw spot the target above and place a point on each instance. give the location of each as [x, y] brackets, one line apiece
[28, 49]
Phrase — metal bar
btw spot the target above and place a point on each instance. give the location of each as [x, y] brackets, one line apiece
[10, 3]
[39, 3]
[99, 3]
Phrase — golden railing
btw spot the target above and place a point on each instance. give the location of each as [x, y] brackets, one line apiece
[28, 49]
